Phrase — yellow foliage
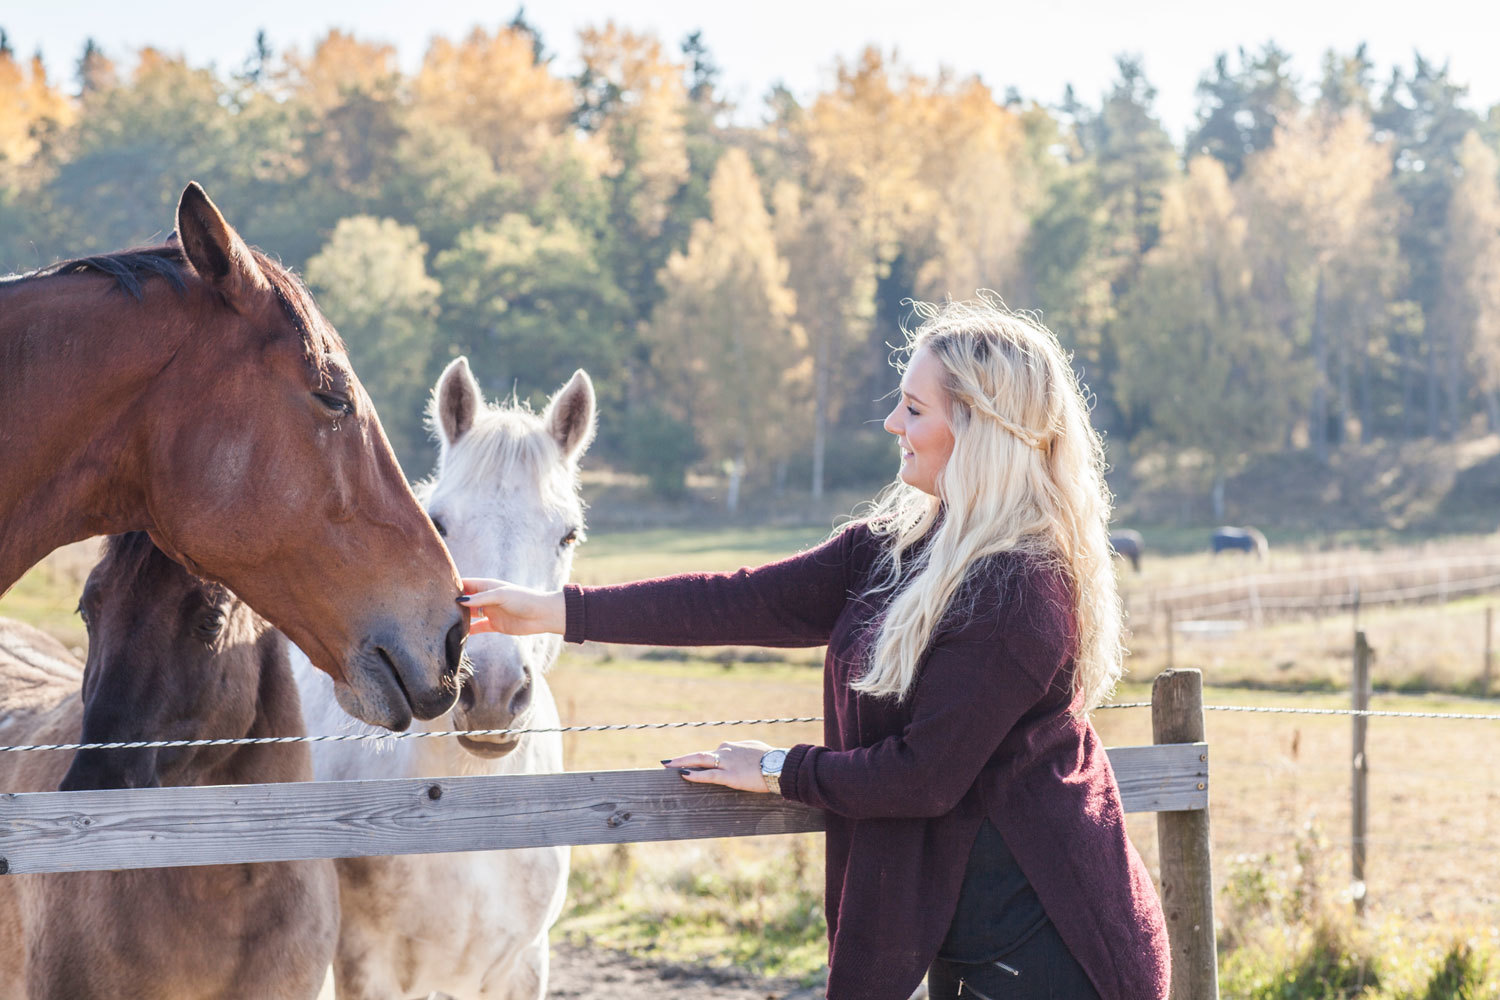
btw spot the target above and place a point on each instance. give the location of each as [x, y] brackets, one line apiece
[644, 127]
[725, 332]
[27, 102]
[341, 64]
[490, 87]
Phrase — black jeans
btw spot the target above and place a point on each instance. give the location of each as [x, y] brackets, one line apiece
[1039, 968]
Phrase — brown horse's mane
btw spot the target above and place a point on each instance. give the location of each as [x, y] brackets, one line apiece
[129, 551]
[130, 269]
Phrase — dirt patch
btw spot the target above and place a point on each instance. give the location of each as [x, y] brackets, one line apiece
[585, 973]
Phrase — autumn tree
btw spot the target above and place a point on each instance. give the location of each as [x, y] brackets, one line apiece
[832, 278]
[986, 179]
[1469, 318]
[31, 109]
[631, 100]
[724, 337]
[529, 304]
[1421, 111]
[1323, 228]
[1200, 370]
[372, 282]
[491, 87]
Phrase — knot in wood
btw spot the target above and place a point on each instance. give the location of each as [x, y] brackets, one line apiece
[616, 819]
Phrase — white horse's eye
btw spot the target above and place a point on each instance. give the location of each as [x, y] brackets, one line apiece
[573, 537]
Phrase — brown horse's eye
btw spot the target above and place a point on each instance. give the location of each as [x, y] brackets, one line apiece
[83, 613]
[211, 624]
[442, 529]
[338, 404]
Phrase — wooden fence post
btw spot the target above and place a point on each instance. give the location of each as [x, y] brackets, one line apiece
[1187, 886]
[1360, 778]
[1489, 633]
[1171, 630]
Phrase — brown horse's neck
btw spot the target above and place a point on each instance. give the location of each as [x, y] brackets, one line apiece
[278, 713]
[71, 395]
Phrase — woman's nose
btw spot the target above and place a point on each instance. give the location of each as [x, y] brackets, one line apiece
[892, 425]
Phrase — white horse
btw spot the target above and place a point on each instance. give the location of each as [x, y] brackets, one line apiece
[472, 925]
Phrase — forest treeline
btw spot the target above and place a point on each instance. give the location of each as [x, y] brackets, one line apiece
[1317, 266]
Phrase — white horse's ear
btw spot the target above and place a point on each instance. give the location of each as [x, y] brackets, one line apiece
[455, 401]
[572, 415]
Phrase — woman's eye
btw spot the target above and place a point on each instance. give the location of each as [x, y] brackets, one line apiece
[912, 412]
[338, 404]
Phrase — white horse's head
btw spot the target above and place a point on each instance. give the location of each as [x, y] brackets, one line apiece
[505, 499]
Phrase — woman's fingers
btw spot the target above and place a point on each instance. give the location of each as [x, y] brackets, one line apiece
[736, 765]
[705, 758]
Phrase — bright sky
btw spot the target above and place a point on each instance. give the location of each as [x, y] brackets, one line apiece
[1036, 47]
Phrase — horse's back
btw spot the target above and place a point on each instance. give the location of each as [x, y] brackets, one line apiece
[39, 684]
[39, 703]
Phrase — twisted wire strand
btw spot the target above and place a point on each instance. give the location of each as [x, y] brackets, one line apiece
[357, 737]
[623, 726]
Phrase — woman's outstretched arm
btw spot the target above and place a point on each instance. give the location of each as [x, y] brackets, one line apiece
[792, 602]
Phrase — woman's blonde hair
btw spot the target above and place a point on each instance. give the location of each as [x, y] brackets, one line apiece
[1026, 476]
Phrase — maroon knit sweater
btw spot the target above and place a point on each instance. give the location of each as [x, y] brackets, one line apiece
[985, 732]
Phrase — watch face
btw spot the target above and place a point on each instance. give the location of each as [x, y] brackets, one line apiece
[771, 761]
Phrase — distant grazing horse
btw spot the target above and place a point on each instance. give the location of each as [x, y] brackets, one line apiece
[1239, 540]
[194, 391]
[1129, 545]
[170, 657]
[472, 925]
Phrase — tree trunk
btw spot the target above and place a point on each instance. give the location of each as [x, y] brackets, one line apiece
[736, 474]
[1217, 496]
[1317, 417]
[821, 378]
[1454, 384]
[1434, 387]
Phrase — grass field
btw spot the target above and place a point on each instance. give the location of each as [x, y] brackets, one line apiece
[1280, 785]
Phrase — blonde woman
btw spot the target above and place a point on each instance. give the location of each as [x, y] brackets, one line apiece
[975, 832]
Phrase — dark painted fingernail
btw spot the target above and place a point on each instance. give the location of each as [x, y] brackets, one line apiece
[463, 599]
[666, 760]
[684, 771]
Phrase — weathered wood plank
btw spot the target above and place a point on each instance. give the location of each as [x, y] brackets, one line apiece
[167, 827]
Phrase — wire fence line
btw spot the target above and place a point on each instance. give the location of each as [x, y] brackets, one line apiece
[625, 726]
[1351, 573]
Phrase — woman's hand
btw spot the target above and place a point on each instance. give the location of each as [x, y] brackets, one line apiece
[512, 610]
[736, 765]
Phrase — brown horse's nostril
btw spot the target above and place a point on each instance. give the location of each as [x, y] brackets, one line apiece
[466, 696]
[453, 647]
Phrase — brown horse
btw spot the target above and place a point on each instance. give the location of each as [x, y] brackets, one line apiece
[170, 657]
[194, 391]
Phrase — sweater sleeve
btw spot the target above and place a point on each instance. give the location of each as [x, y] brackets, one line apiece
[793, 602]
[973, 689]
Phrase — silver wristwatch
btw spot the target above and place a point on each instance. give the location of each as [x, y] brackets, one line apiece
[770, 769]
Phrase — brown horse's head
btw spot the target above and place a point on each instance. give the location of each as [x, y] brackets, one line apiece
[172, 657]
[263, 466]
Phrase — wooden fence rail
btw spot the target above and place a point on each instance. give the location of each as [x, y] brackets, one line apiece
[225, 824]
[220, 824]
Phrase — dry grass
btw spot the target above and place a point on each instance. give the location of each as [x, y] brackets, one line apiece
[1434, 801]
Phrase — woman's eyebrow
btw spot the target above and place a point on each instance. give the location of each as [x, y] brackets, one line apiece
[907, 393]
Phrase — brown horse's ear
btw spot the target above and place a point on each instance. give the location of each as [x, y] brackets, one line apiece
[216, 251]
[455, 401]
[571, 416]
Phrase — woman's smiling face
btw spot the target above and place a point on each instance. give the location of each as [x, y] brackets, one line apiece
[920, 422]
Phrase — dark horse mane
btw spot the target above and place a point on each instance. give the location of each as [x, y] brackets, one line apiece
[131, 269]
